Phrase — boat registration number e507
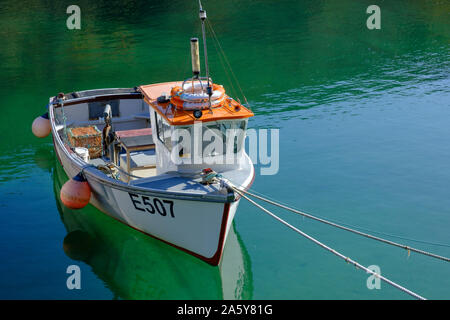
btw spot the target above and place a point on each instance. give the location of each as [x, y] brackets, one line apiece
[152, 205]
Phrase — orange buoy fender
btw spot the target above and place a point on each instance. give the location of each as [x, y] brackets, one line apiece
[41, 126]
[76, 193]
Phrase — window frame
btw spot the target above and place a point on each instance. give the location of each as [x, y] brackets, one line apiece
[160, 123]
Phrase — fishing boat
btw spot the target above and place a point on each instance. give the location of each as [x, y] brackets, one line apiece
[149, 156]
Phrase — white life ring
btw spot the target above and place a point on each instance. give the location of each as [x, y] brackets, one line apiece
[195, 97]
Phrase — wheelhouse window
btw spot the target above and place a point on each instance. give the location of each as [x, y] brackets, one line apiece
[230, 134]
[164, 131]
[203, 140]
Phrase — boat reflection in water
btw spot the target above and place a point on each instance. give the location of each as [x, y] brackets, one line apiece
[44, 157]
[136, 266]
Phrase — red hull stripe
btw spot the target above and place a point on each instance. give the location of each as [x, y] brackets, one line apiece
[215, 259]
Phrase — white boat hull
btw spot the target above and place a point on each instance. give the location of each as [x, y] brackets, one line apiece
[131, 261]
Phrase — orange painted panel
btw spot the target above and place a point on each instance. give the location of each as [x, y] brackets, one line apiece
[229, 111]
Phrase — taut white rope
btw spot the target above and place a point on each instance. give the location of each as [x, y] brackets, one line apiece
[340, 255]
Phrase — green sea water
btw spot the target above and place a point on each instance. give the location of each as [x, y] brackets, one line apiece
[364, 125]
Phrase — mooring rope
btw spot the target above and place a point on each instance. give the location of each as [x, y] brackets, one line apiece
[123, 171]
[340, 255]
[61, 102]
[367, 235]
[359, 227]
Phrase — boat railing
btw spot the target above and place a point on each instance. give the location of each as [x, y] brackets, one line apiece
[199, 79]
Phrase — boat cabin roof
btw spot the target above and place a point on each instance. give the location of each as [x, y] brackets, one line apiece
[230, 110]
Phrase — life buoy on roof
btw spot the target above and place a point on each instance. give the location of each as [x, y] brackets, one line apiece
[194, 97]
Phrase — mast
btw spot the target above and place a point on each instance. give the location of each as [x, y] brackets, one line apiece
[202, 15]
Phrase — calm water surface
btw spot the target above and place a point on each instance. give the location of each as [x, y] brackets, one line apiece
[364, 119]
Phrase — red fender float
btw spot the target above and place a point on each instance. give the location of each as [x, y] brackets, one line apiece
[76, 193]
